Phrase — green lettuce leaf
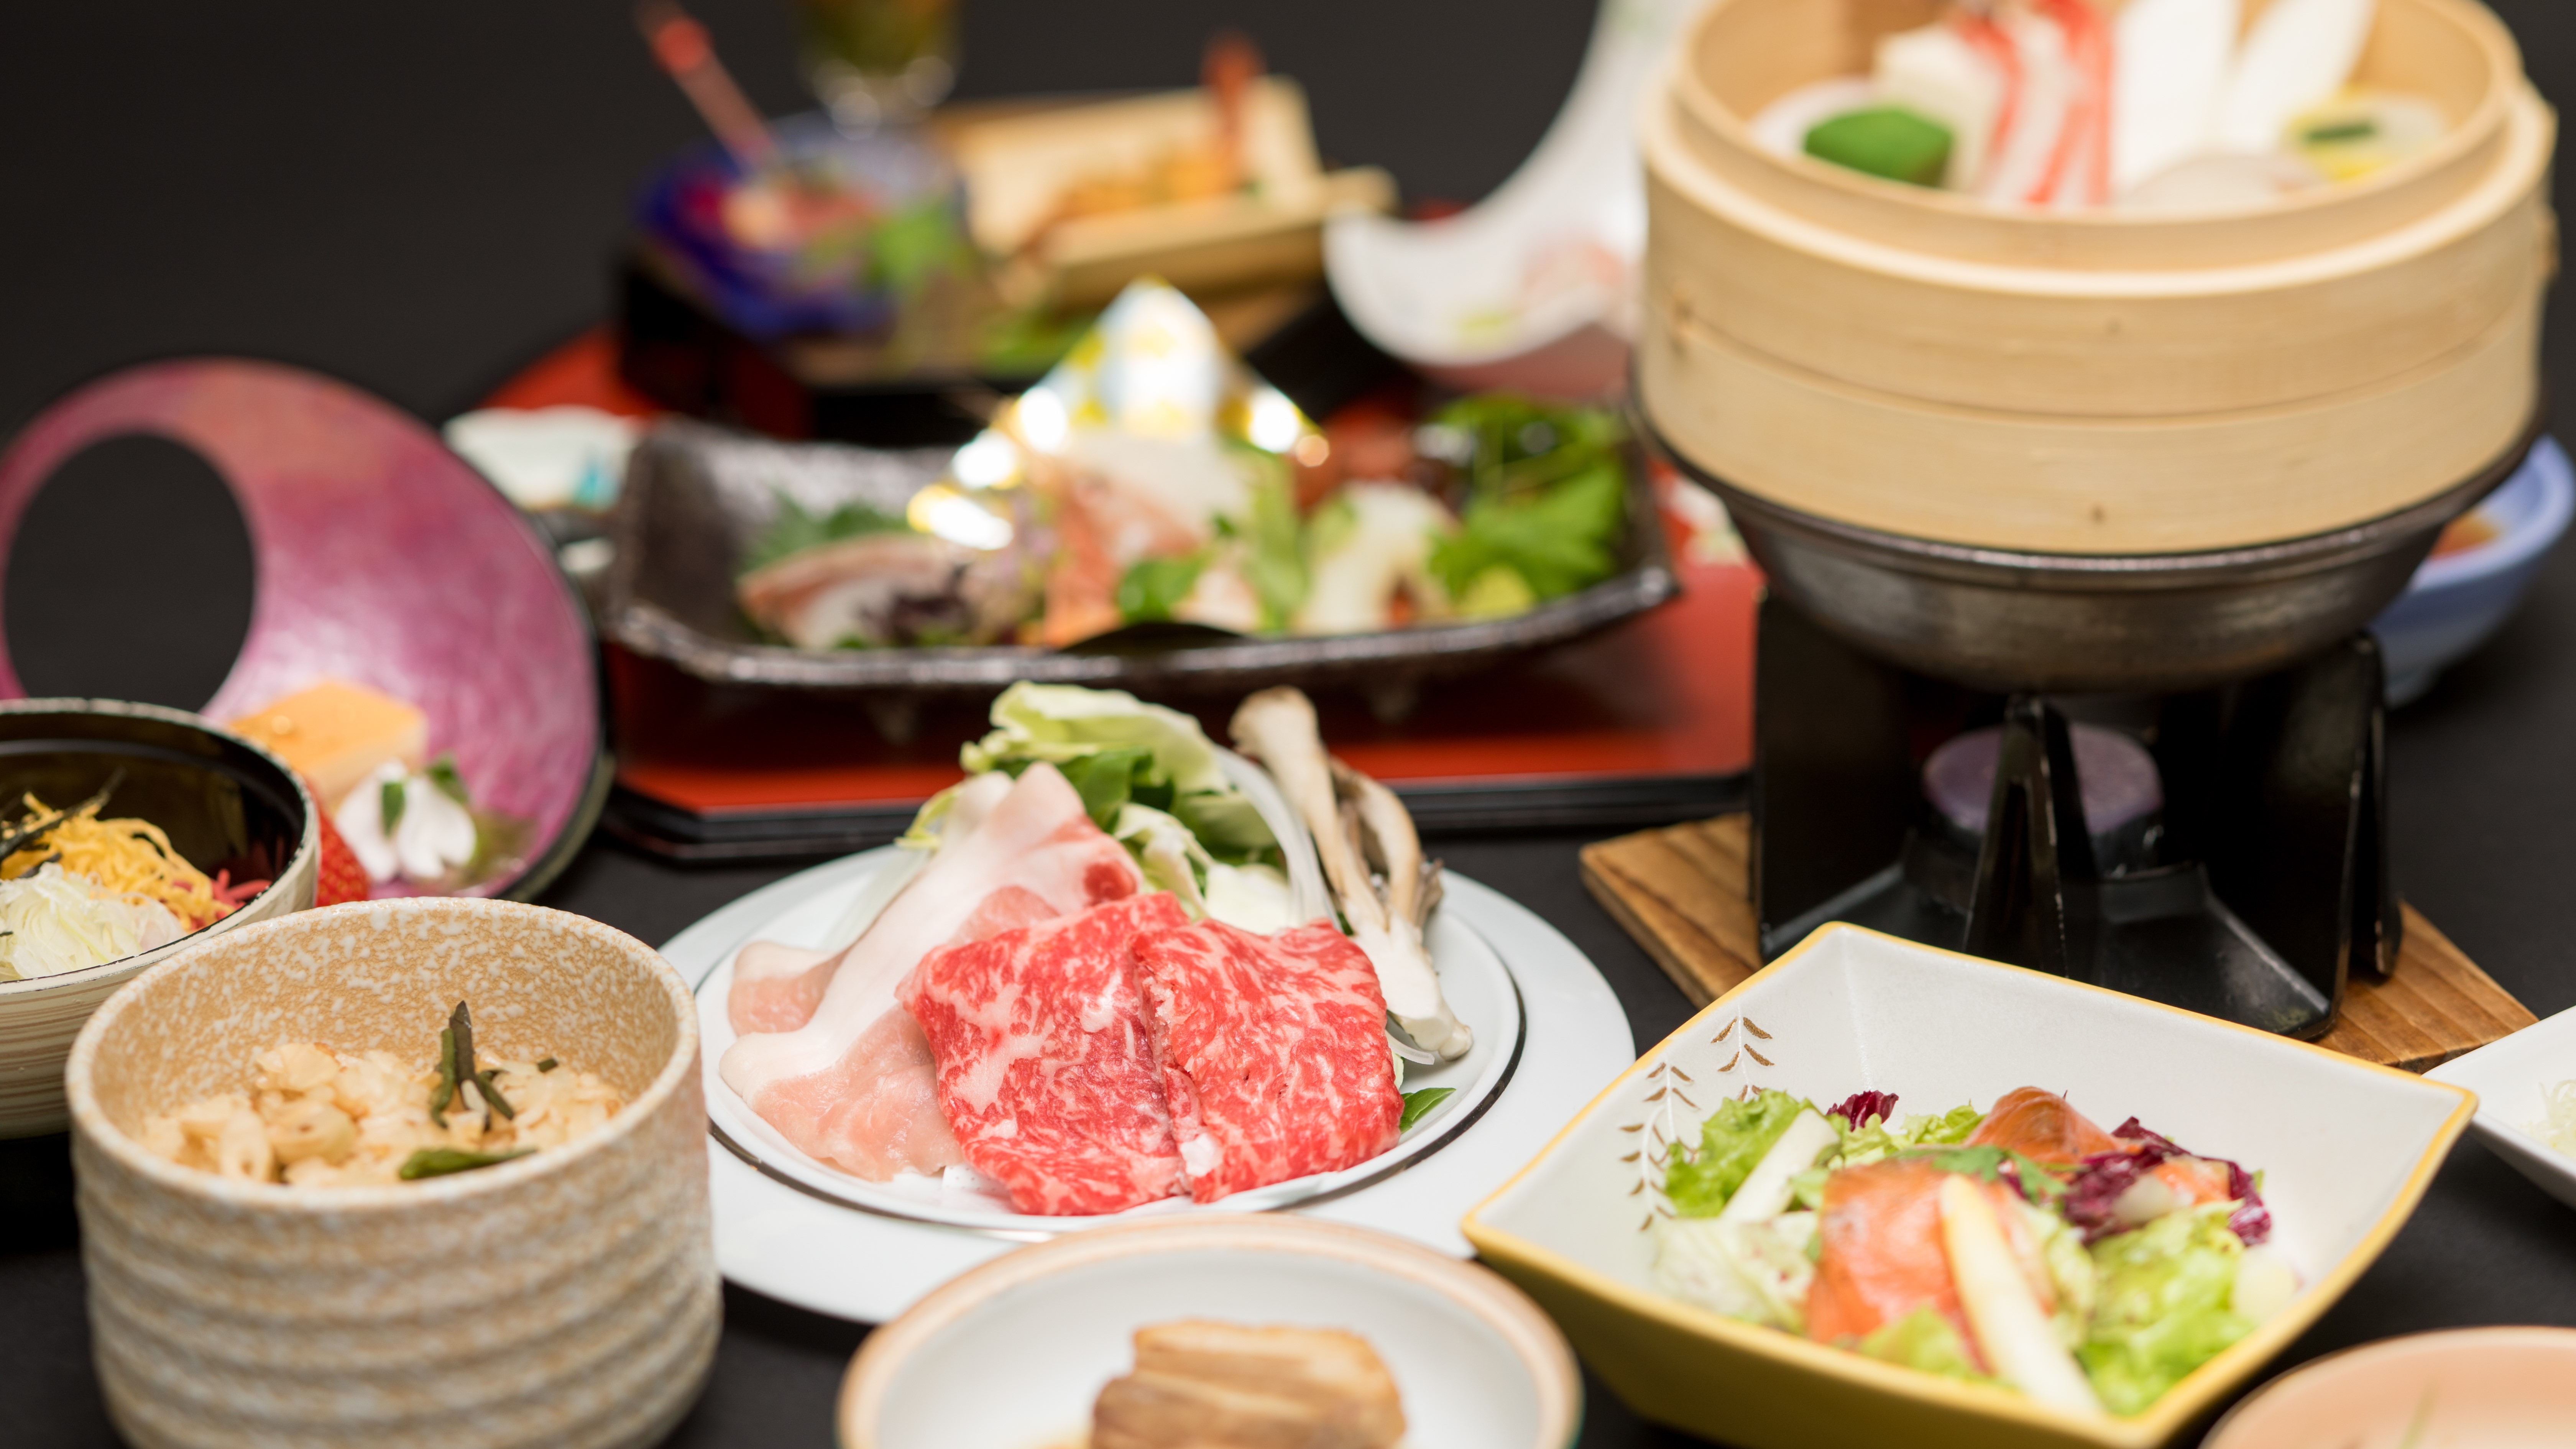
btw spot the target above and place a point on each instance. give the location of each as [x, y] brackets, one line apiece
[1159, 758]
[1152, 588]
[1882, 1140]
[1731, 1144]
[795, 530]
[2162, 1307]
[1923, 1339]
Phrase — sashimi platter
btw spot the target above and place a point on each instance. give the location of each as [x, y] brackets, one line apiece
[1121, 972]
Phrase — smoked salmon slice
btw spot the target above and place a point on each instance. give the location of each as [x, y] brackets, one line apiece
[2043, 1127]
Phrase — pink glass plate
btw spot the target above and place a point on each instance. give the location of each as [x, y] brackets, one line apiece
[381, 558]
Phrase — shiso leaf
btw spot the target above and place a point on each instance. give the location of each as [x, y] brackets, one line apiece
[1418, 1105]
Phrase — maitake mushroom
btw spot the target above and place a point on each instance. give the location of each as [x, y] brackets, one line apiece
[1371, 857]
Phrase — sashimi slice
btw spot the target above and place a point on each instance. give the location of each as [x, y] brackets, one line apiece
[2297, 55]
[1880, 1254]
[1045, 1067]
[1273, 1051]
[776, 987]
[2043, 1127]
[807, 1083]
[2170, 60]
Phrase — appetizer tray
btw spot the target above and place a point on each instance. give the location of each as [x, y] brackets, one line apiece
[1550, 1033]
[696, 498]
[1684, 893]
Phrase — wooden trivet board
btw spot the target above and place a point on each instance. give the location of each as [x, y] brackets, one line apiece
[1684, 893]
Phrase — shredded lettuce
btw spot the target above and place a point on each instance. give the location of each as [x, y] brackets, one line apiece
[1923, 1339]
[1732, 1142]
[2070, 1272]
[2165, 1305]
[1755, 1271]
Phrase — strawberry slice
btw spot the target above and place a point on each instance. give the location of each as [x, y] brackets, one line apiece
[341, 878]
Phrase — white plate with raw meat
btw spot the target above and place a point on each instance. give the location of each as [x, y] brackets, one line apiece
[1042, 1025]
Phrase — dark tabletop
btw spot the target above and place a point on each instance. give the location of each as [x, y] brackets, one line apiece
[422, 198]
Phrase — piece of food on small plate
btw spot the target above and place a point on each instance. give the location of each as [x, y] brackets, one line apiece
[410, 822]
[1217, 1331]
[1203, 1384]
[1108, 972]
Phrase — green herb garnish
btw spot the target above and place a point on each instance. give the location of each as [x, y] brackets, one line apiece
[389, 804]
[441, 1161]
[2334, 131]
[446, 1093]
[548, 1065]
[443, 774]
[1152, 588]
[1418, 1105]
[492, 1095]
[796, 530]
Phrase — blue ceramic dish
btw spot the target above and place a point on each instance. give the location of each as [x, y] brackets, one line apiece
[2457, 600]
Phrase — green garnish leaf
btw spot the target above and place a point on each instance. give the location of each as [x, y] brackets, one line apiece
[548, 1065]
[446, 1092]
[1889, 142]
[1152, 588]
[795, 530]
[450, 783]
[389, 804]
[1986, 1164]
[1418, 1105]
[492, 1096]
[441, 1161]
[1926, 1340]
[2333, 131]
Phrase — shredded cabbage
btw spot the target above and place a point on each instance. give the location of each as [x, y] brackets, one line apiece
[51, 922]
[2558, 1126]
[1168, 762]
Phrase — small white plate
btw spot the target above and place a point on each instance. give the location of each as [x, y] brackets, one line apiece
[1550, 1033]
[2508, 1077]
[1476, 1363]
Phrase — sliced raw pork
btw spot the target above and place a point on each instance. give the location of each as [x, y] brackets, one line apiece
[1046, 1069]
[854, 1086]
[776, 986]
[1273, 1052]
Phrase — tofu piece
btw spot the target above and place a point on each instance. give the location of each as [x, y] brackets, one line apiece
[1935, 72]
[336, 733]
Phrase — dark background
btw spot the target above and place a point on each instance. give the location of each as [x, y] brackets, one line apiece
[422, 198]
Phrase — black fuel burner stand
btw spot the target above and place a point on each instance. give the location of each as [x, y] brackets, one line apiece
[2250, 888]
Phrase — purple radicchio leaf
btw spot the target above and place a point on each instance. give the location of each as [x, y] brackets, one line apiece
[2101, 1180]
[1857, 1109]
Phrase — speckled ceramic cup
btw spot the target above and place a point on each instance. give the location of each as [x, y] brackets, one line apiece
[567, 1299]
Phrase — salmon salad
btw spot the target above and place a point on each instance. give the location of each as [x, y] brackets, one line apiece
[2022, 1246]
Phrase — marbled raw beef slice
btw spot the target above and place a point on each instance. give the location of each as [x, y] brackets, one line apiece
[1273, 1051]
[1046, 1069]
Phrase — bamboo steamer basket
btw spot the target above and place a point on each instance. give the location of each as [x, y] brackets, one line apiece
[1915, 362]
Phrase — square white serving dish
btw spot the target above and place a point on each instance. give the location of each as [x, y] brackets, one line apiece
[2346, 1147]
[2508, 1076]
